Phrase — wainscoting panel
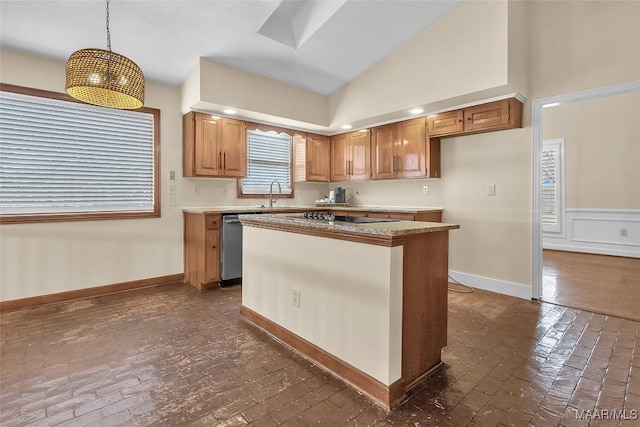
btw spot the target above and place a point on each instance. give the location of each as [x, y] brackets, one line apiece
[598, 231]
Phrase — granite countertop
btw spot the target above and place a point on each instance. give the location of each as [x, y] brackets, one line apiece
[391, 228]
[283, 208]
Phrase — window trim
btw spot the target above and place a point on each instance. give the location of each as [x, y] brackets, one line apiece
[268, 128]
[557, 229]
[97, 215]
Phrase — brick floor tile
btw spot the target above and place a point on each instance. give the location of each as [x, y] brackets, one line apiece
[182, 357]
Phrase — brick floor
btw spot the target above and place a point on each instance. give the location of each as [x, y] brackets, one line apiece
[174, 356]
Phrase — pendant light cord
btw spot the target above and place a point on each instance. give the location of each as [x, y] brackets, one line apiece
[108, 32]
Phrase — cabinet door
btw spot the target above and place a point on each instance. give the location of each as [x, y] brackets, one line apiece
[486, 116]
[383, 151]
[411, 148]
[233, 148]
[212, 256]
[339, 158]
[445, 123]
[318, 154]
[376, 214]
[207, 156]
[359, 148]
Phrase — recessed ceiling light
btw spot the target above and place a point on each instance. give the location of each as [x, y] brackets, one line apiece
[346, 126]
[229, 111]
[553, 104]
[416, 111]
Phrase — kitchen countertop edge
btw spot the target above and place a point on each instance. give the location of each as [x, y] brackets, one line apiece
[284, 209]
[390, 229]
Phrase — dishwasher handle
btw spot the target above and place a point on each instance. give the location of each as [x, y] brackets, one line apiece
[231, 219]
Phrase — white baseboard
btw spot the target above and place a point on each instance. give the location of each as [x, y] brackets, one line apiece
[598, 231]
[599, 250]
[494, 285]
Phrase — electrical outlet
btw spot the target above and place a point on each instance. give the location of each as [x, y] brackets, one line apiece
[172, 201]
[425, 189]
[491, 190]
[623, 232]
[295, 298]
[172, 189]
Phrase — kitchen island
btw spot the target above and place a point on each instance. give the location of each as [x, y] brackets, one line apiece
[368, 302]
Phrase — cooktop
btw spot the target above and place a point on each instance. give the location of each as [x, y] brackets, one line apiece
[352, 219]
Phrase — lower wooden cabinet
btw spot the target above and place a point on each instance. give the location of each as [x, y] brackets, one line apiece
[428, 216]
[202, 249]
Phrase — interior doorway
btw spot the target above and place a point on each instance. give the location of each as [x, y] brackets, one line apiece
[591, 233]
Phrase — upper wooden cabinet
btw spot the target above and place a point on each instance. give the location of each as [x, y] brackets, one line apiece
[213, 147]
[318, 158]
[446, 123]
[401, 150]
[498, 115]
[312, 156]
[351, 156]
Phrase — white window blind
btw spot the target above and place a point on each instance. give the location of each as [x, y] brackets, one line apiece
[66, 157]
[268, 158]
[552, 206]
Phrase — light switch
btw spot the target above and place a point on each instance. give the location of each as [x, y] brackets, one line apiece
[172, 175]
[491, 190]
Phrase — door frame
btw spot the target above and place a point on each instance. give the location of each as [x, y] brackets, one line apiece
[536, 151]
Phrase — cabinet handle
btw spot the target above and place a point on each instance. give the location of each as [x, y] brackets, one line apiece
[214, 246]
[350, 167]
[224, 155]
[219, 160]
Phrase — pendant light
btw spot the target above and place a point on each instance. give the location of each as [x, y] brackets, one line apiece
[105, 78]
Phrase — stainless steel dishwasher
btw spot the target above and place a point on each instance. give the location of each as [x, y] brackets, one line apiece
[231, 256]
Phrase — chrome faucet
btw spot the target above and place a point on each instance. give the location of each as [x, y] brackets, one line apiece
[271, 199]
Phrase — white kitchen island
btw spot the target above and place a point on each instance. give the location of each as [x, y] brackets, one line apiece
[368, 302]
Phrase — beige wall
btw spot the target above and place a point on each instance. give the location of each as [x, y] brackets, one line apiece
[572, 46]
[249, 93]
[602, 150]
[563, 54]
[579, 45]
[39, 259]
[494, 230]
[462, 53]
[350, 295]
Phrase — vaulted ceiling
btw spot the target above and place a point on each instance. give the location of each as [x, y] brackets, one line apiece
[317, 45]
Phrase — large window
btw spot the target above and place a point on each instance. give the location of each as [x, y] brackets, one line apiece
[64, 160]
[268, 158]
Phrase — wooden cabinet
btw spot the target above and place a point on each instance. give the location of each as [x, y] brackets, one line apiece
[401, 150]
[384, 142]
[318, 154]
[213, 146]
[312, 158]
[351, 156]
[446, 123]
[202, 249]
[492, 116]
[411, 149]
[428, 216]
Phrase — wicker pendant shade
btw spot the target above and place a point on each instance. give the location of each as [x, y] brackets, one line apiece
[105, 78]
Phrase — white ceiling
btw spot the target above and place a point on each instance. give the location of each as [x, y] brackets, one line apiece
[336, 40]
